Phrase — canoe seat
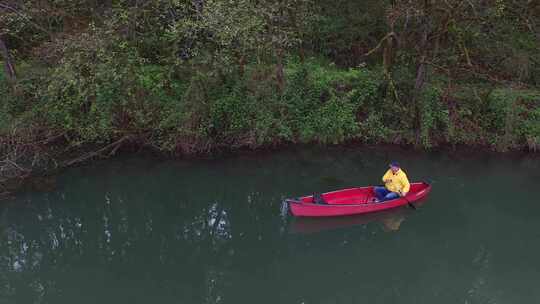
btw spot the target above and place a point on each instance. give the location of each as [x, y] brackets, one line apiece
[318, 199]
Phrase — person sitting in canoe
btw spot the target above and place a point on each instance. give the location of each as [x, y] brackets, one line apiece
[396, 184]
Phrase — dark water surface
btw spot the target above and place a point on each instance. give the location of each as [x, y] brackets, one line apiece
[143, 230]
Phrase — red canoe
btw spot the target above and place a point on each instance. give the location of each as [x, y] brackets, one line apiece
[353, 201]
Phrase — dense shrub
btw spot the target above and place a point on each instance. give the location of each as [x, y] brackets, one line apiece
[513, 117]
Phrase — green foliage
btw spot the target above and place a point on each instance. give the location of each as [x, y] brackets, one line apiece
[335, 121]
[372, 129]
[80, 94]
[233, 113]
[314, 107]
[182, 76]
[324, 101]
[5, 102]
[344, 30]
[102, 89]
[531, 129]
[239, 119]
[217, 35]
[434, 116]
[513, 116]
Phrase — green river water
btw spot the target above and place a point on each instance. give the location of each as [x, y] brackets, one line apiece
[146, 230]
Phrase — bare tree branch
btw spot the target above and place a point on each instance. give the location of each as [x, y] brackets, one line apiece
[391, 34]
[37, 26]
[8, 63]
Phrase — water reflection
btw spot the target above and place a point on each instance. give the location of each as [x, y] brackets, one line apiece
[392, 223]
[38, 241]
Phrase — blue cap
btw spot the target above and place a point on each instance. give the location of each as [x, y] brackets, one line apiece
[394, 164]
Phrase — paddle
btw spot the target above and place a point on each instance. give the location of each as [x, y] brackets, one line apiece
[409, 203]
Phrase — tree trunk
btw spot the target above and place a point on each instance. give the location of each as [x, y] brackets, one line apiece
[421, 72]
[280, 76]
[418, 86]
[9, 66]
[388, 54]
[302, 54]
[242, 65]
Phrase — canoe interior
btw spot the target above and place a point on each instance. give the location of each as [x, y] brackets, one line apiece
[354, 196]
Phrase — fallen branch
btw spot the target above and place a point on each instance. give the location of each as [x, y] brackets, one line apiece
[10, 162]
[440, 67]
[43, 141]
[113, 147]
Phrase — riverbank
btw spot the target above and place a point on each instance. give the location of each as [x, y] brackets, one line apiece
[321, 104]
[41, 176]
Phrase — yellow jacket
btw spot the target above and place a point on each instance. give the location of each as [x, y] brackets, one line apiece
[396, 182]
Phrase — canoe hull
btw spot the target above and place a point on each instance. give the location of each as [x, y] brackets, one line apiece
[353, 201]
